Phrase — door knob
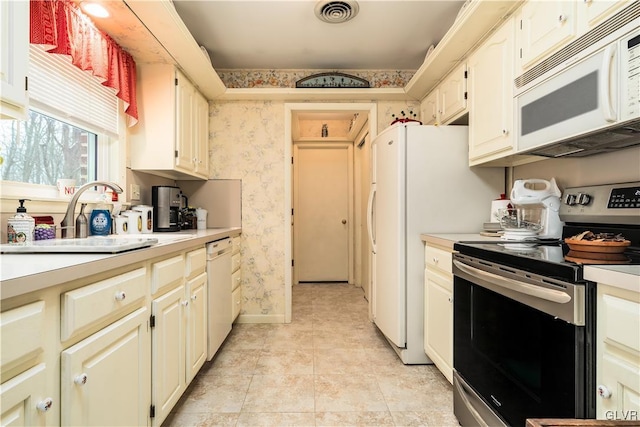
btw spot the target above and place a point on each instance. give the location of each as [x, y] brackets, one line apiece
[344, 221]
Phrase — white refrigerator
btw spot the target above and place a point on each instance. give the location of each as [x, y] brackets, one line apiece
[422, 183]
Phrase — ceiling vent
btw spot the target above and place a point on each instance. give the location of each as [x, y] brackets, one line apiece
[335, 12]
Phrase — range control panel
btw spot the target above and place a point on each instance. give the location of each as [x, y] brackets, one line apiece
[607, 204]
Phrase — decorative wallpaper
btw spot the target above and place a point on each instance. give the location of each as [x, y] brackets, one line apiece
[247, 142]
[288, 78]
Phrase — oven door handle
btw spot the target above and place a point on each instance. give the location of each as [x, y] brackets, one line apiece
[515, 285]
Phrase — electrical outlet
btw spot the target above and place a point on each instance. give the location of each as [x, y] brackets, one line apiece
[135, 192]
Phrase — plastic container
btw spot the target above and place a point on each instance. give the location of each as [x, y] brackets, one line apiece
[100, 221]
[21, 226]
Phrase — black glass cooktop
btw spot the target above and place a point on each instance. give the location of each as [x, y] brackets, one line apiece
[552, 258]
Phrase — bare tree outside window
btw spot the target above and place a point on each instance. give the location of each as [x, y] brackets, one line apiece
[42, 150]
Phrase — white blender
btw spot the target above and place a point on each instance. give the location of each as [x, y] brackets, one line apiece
[525, 195]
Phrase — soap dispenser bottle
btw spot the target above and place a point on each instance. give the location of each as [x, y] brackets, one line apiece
[21, 227]
[81, 223]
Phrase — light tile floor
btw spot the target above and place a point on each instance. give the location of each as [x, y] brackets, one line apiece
[329, 367]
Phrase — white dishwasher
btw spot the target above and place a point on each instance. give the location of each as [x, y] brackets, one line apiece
[219, 279]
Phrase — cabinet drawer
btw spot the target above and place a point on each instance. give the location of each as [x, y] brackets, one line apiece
[169, 272]
[235, 262]
[22, 396]
[236, 303]
[24, 328]
[196, 262]
[83, 307]
[614, 312]
[235, 242]
[438, 258]
[236, 280]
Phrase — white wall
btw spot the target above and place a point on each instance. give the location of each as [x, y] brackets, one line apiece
[615, 167]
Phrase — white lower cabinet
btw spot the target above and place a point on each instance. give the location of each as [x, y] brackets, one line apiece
[196, 325]
[618, 354]
[22, 400]
[438, 309]
[167, 352]
[105, 377]
[178, 333]
[236, 280]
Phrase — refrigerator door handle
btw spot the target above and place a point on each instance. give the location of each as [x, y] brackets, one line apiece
[370, 206]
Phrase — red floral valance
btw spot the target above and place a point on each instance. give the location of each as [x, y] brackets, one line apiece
[63, 28]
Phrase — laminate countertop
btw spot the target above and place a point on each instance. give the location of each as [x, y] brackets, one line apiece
[24, 273]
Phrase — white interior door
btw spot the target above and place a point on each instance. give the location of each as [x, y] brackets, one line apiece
[322, 212]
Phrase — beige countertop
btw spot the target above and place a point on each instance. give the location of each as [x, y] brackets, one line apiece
[24, 273]
[448, 239]
[621, 276]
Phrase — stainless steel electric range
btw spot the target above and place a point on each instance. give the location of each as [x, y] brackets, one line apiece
[524, 317]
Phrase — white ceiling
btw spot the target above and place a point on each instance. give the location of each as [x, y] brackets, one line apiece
[286, 34]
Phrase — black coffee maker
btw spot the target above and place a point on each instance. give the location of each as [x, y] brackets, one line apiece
[166, 201]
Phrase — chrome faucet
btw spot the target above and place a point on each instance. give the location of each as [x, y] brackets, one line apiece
[68, 223]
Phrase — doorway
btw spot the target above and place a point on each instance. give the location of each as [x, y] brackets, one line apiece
[322, 212]
[295, 114]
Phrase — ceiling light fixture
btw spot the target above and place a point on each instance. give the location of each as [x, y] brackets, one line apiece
[95, 9]
[336, 11]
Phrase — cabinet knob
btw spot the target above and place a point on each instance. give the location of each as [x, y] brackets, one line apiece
[603, 391]
[44, 405]
[562, 19]
[185, 303]
[194, 297]
[81, 379]
[450, 299]
[505, 132]
[120, 296]
[588, 1]
[435, 260]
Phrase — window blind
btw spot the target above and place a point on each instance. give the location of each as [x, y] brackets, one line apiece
[57, 86]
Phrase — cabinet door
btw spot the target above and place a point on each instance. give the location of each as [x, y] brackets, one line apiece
[438, 319]
[105, 378]
[185, 93]
[490, 86]
[14, 58]
[429, 108]
[196, 325]
[618, 353]
[23, 400]
[545, 26]
[453, 94]
[201, 137]
[593, 12]
[167, 352]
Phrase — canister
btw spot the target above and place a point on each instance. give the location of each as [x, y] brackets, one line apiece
[134, 221]
[147, 217]
[122, 224]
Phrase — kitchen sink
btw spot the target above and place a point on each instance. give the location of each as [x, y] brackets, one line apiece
[92, 244]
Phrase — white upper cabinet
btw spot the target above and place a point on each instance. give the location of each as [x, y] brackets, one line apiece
[490, 87]
[14, 58]
[544, 27]
[429, 108]
[593, 12]
[453, 94]
[171, 139]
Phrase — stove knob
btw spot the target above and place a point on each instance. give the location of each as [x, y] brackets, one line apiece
[570, 199]
[583, 199]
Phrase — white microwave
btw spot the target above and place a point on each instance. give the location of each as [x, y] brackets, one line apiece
[590, 102]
